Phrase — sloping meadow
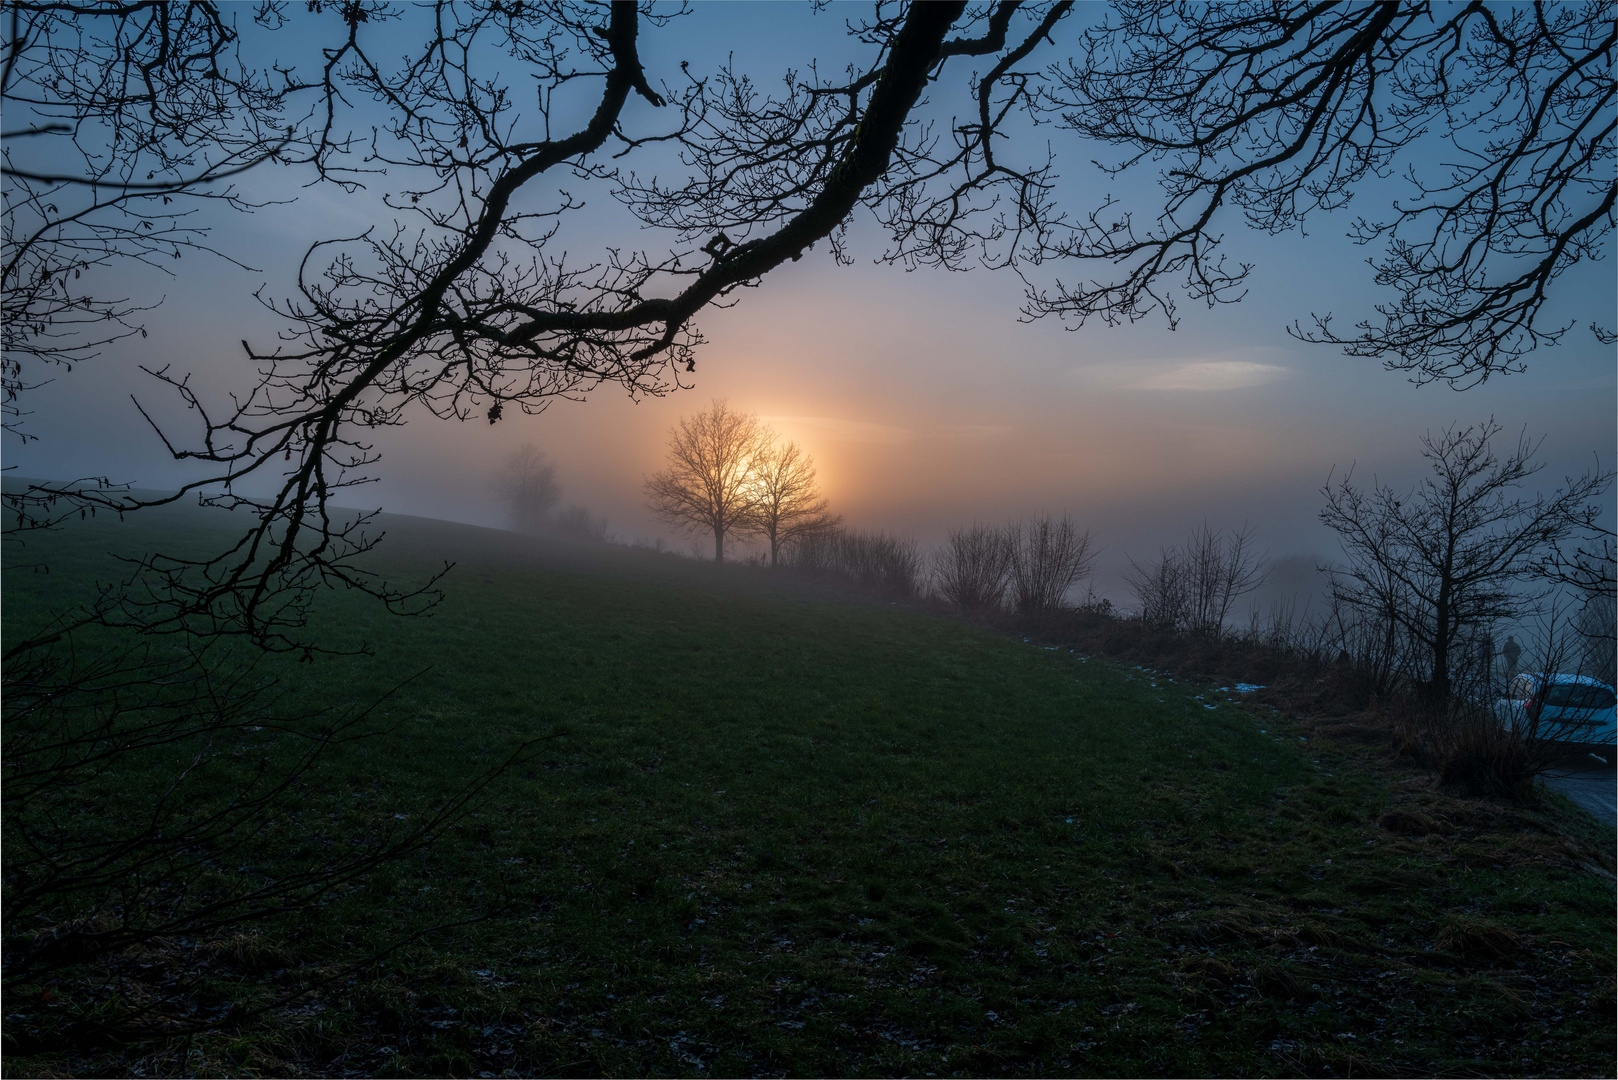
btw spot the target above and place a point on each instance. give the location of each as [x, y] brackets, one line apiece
[754, 833]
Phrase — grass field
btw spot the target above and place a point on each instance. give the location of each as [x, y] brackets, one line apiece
[771, 832]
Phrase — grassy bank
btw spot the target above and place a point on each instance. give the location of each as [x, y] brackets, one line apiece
[767, 833]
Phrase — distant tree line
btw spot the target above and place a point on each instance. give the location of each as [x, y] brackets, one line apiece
[1432, 577]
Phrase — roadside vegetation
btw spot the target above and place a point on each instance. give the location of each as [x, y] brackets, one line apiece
[759, 830]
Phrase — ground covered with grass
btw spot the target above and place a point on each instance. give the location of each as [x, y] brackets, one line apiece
[768, 833]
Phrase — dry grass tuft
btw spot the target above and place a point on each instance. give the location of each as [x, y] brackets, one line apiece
[1408, 823]
[1274, 981]
[1209, 969]
[1323, 936]
[1478, 939]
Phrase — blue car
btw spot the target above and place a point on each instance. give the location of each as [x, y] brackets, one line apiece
[1572, 709]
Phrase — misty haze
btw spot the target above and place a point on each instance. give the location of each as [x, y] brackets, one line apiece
[924, 539]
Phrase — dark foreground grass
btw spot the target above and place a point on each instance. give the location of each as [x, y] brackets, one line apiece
[770, 834]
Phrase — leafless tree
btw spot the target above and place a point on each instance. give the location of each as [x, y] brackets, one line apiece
[787, 504]
[1372, 642]
[123, 122]
[527, 484]
[1192, 588]
[973, 569]
[1048, 556]
[709, 485]
[1273, 112]
[1585, 562]
[1459, 551]
[1220, 568]
[1162, 592]
[1597, 626]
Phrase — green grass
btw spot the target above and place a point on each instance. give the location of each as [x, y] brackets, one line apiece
[773, 834]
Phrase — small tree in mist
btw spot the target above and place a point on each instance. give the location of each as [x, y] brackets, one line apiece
[1458, 552]
[1047, 556]
[1587, 567]
[787, 504]
[1597, 626]
[709, 484]
[973, 568]
[527, 484]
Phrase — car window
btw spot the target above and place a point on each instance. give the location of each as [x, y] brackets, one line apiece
[1574, 696]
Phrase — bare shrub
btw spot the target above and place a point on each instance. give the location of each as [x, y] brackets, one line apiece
[814, 554]
[890, 565]
[1191, 589]
[1496, 736]
[1220, 568]
[1048, 556]
[1469, 748]
[1160, 590]
[973, 569]
[1373, 645]
[578, 523]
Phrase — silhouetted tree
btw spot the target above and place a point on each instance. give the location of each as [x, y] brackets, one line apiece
[1444, 560]
[527, 484]
[710, 483]
[123, 121]
[1498, 119]
[1221, 568]
[787, 504]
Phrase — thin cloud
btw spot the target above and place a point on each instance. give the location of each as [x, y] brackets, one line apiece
[860, 431]
[1214, 375]
[976, 432]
